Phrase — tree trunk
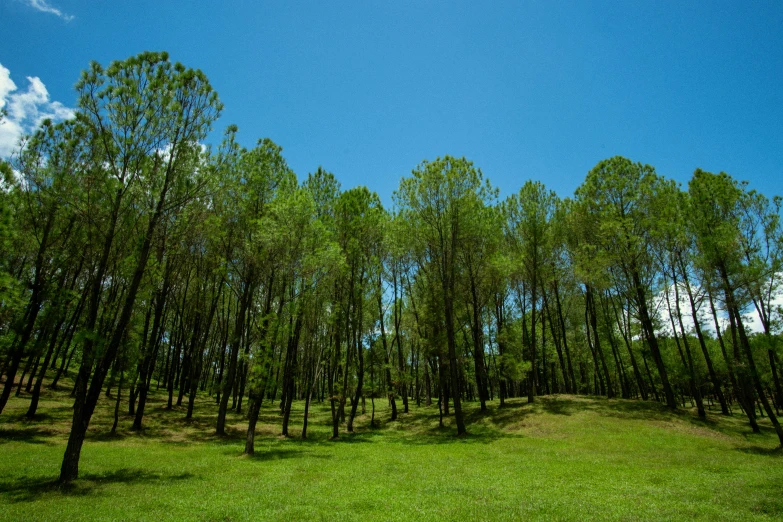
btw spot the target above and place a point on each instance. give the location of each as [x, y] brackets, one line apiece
[290, 375]
[236, 341]
[478, 345]
[610, 393]
[563, 329]
[86, 402]
[357, 335]
[252, 413]
[695, 382]
[716, 383]
[652, 341]
[734, 313]
[117, 402]
[738, 384]
[31, 312]
[389, 386]
[39, 381]
[557, 343]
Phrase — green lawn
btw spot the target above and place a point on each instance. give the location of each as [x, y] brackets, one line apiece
[563, 458]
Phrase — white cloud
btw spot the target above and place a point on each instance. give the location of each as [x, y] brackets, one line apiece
[26, 110]
[751, 318]
[702, 309]
[45, 7]
[6, 84]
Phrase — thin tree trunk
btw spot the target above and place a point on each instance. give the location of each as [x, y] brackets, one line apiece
[31, 312]
[117, 402]
[652, 341]
[236, 342]
[561, 321]
[557, 343]
[357, 341]
[716, 383]
[39, 381]
[738, 387]
[289, 378]
[389, 386]
[734, 311]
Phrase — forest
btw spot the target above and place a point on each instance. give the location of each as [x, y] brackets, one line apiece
[135, 260]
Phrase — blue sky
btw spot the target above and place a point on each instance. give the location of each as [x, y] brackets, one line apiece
[526, 90]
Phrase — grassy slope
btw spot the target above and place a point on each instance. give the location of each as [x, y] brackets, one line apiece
[563, 458]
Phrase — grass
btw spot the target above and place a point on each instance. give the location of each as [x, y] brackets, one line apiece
[561, 458]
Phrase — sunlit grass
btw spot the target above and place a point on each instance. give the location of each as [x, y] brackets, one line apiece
[562, 458]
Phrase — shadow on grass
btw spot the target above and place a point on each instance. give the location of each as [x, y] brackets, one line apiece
[423, 428]
[512, 413]
[268, 452]
[171, 436]
[558, 407]
[171, 427]
[32, 435]
[733, 426]
[29, 489]
[631, 409]
[474, 435]
[107, 436]
[419, 427]
[758, 450]
[356, 437]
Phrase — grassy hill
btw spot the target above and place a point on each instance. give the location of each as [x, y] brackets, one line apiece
[562, 458]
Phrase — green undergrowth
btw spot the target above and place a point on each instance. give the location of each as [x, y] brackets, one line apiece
[560, 458]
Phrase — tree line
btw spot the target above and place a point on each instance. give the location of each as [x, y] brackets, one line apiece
[133, 257]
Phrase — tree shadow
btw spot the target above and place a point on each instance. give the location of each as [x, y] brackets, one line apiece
[631, 409]
[30, 489]
[758, 450]
[266, 454]
[178, 431]
[482, 428]
[107, 436]
[558, 406]
[356, 437]
[447, 435]
[513, 412]
[421, 425]
[32, 435]
[231, 437]
[39, 417]
[634, 409]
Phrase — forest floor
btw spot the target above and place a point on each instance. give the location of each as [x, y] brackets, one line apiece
[561, 458]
